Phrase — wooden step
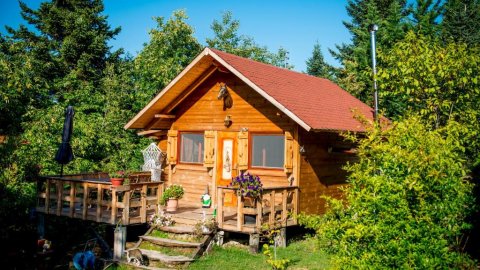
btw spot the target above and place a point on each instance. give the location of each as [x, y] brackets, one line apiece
[169, 242]
[145, 267]
[179, 229]
[157, 256]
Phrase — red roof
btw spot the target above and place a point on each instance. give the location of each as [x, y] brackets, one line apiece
[318, 102]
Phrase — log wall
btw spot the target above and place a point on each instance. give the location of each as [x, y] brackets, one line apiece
[321, 170]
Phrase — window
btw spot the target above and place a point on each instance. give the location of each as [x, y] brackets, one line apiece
[191, 148]
[267, 151]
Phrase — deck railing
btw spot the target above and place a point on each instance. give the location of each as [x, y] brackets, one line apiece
[92, 197]
[277, 207]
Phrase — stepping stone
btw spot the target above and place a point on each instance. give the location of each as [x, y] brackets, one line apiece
[170, 242]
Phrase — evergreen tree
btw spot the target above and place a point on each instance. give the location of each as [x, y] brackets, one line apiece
[171, 48]
[389, 16]
[461, 21]
[425, 16]
[316, 65]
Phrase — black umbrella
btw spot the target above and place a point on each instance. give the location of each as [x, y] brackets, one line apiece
[64, 154]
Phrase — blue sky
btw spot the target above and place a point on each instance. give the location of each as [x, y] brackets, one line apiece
[293, 25]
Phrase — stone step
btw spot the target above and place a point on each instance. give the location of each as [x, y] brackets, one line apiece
[169, 242]
[167, 259]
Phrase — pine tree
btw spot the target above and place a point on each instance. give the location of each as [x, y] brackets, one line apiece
[425, 16]
[316, 65]
[461, 21]
[355, 57]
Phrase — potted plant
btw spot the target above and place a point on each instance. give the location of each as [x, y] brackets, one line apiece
[250, 188]
[117, 177]
[170, 197]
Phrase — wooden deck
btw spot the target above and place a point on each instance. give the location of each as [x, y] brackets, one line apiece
[92, 197]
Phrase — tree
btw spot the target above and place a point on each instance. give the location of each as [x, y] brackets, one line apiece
[425, 16]
[406, 203]
[316, 65]
[171, 48]
[355, 76]
[227, 39]
[436, 80]
[461, 21]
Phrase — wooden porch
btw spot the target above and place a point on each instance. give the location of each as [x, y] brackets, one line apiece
[92, 197]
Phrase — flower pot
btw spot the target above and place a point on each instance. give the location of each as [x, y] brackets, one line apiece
[172, 205]
[117, 181]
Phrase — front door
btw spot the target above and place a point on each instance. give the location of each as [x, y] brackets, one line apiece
[227, 160]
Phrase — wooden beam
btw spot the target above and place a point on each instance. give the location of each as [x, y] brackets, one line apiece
[152, 131]
[165, 116]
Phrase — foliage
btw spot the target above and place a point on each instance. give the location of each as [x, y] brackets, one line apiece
[205, 226]
[226, 38]
[171, 48]
[461, 21]
[248, 185]
[161, 219]
[406, 203]
[438, 81]
[425, 16]
[316, 65]
[172, 192]
[276, 264]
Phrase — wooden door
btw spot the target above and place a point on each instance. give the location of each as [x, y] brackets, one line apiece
[227, 163]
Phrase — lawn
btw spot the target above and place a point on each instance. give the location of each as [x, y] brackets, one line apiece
[303, 254]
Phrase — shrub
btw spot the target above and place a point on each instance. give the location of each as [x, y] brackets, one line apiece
[406, 203]
[248, 185]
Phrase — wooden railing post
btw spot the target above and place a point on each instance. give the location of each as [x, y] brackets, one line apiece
[240, 216]
[47, 196]
[143, 209]
[271, 219]
[220, 198]
[72, 199]
[99, 202]
[126, 209]
[259, 213]
[159, 196]
[85, 201]
[59, 197]
[113, 218]
[284, 207]
[295, 202]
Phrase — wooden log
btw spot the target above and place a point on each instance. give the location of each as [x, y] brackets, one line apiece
[165, 242]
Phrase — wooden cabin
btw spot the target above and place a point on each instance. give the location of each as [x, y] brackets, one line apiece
[224, 115]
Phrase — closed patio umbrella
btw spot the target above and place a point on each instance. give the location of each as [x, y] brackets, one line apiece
[64, 154]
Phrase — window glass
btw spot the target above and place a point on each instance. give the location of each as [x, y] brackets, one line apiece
[191, 148]
[268, 151]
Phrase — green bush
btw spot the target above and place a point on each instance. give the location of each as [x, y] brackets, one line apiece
[406, 204]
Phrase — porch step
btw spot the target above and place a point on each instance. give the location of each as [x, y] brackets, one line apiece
[170, 242]
[146, 267]
[167, 259]
[178, 229]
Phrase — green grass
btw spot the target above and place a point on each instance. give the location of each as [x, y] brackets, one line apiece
[303, 254]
